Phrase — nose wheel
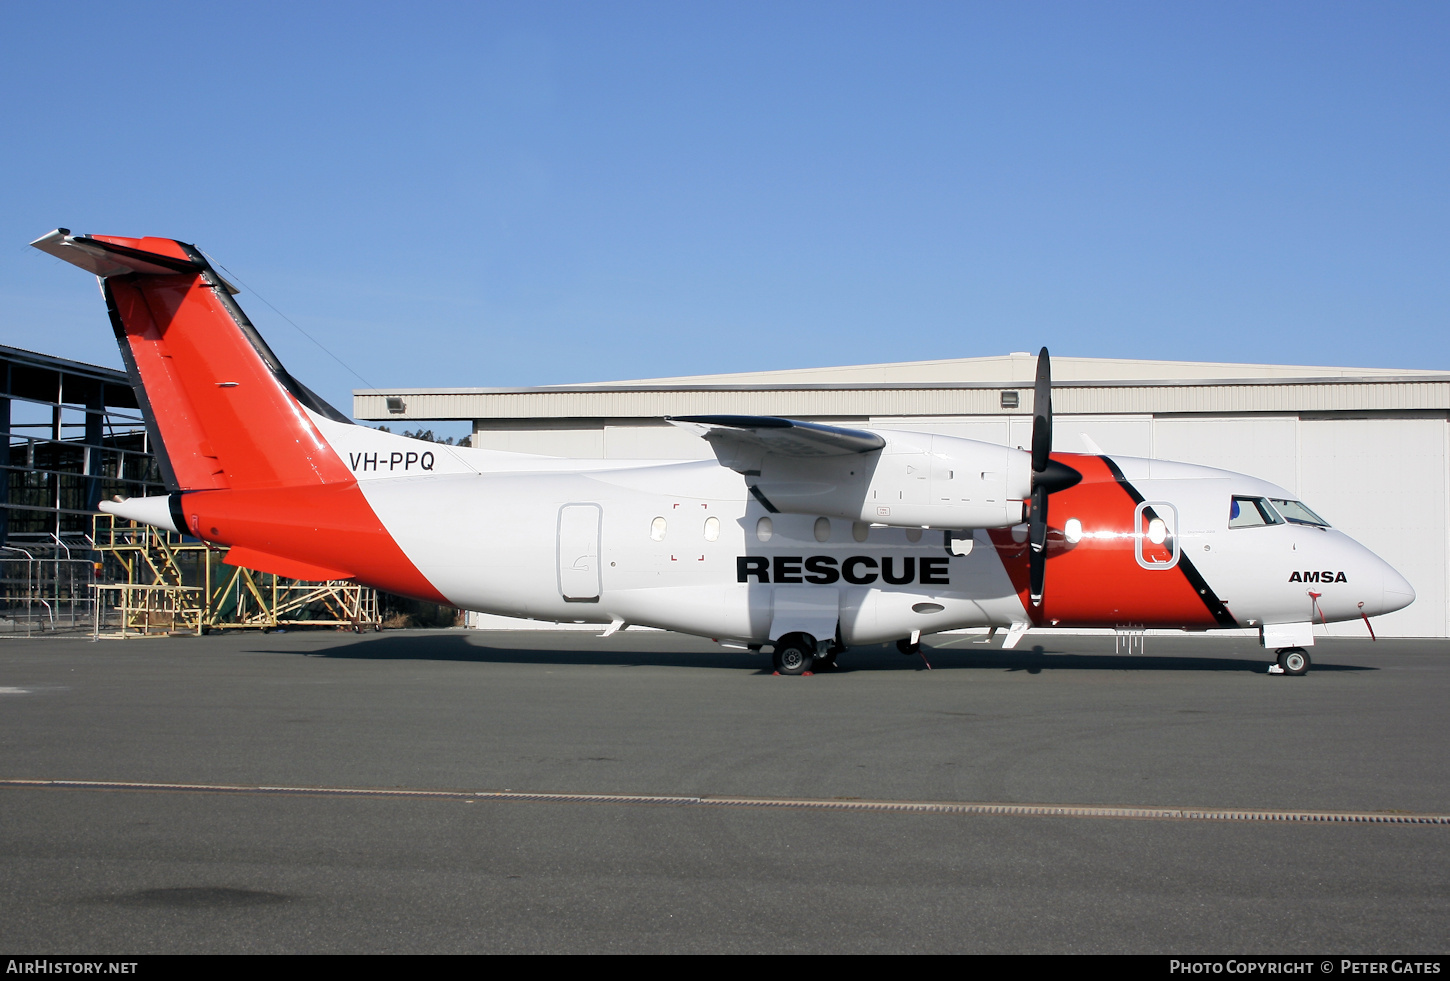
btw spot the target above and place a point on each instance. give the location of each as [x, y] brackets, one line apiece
[1292, 660]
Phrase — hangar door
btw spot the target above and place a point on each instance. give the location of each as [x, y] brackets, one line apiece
[579, 552]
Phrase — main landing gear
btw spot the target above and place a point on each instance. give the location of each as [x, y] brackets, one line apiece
[803, 654]
[828, 659]
[794, 654]
[1292, 660]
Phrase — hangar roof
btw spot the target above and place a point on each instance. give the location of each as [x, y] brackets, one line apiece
[1017, 369]
[957, 386]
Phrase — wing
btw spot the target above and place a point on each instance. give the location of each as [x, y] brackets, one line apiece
[740, 441]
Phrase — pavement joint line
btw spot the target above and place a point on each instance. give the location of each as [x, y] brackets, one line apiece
[805, 803]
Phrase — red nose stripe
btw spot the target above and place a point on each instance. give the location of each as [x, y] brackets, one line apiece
[1098, 581]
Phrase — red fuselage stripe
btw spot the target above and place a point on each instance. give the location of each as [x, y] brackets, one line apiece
[1097, 581]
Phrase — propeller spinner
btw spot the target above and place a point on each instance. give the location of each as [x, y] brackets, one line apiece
[1048, 476]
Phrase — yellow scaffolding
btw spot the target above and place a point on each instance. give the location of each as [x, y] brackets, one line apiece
[168, 584]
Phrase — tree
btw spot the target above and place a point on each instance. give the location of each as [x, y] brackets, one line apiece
[427, 435]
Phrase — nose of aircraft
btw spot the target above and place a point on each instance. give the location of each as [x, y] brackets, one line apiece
[1380, 590]
[1398, 593]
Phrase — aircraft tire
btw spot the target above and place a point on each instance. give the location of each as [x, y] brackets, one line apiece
[1294, 660]
[827, 660]
[794, 654]
[907, 647]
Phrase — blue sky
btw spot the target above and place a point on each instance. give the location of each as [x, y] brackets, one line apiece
[532, 193]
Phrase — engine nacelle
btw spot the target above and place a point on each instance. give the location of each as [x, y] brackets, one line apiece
[918, 480]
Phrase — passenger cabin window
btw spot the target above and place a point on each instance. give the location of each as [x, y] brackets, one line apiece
[1252, 512]
[1296, 513]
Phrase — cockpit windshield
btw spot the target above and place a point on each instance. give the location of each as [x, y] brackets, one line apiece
[1296, 513]
[1252, 512]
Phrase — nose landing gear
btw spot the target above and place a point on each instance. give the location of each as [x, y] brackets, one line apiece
[1292, 660]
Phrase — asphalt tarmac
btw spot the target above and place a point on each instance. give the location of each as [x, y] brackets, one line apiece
[1193, 723]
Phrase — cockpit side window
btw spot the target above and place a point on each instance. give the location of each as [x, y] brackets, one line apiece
[1296, 513]
[1252, 512]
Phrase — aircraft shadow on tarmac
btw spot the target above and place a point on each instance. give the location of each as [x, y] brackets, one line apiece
[1035, 660]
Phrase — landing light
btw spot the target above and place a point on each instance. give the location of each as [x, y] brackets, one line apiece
[1157, 531]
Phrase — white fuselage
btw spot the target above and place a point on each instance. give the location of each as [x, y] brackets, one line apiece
[685, 546]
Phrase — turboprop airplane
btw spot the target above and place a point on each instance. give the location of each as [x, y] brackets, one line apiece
[803, 537]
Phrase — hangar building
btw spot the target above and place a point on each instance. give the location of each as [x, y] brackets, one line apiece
[1367, 448]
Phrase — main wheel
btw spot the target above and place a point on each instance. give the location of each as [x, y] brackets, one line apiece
[827, 660]
[1294, 660]
[794, 654]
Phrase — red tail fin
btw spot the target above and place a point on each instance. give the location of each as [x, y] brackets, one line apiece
[225, 411]
[228, 419]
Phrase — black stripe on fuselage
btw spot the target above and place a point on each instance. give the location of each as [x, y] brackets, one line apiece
[1216, 609]
[764, 501]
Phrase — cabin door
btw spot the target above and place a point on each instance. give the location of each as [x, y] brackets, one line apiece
[579, 552]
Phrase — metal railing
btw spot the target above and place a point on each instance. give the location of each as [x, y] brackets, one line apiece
[164, 582]
[45, 587]
[141, 610]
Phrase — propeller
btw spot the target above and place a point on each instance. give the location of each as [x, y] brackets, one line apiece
[1048, 476]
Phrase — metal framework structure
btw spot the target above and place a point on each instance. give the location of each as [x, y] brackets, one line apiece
[165, 583]
[75, 436]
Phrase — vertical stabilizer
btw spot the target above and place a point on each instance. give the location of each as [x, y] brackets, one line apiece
[223, 410]
[232, 430]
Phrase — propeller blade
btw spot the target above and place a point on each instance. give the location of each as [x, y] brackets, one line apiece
[1048, 476]
[1042, 413]
[1037, 537]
